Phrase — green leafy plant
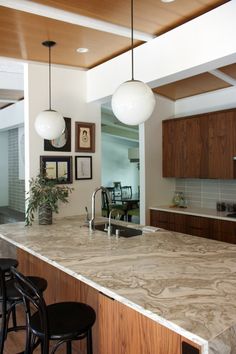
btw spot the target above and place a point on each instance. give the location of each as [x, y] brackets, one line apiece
[44, 192]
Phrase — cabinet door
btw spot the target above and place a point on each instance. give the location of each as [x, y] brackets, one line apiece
[168, 221]
[223, 230]
[174, 149]
[159, 219]
[126, 331]
[221, 137]
[185, 147]
[198, 226]
[196, 147]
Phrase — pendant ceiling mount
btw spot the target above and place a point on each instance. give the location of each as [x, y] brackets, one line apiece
[49, 124]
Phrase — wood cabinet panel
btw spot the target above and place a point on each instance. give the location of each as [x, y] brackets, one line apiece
[201, 146]
[135, 333]
[215, 229]
[221, 144]
[174, 151]
[197, 226]
[169, 221]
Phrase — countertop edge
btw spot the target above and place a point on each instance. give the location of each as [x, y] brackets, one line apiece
[168, 324]
[193, 212]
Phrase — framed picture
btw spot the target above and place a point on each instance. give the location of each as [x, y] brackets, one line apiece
[63, 143]
[84, 137]
[57, 168]
[83, 167]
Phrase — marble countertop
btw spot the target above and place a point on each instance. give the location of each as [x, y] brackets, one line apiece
[184, 282]
[204, 212]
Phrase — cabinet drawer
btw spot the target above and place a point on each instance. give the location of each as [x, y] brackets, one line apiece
[220, 230]
[197, 226]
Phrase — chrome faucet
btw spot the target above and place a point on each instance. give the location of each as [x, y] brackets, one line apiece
[91, 221]
[109, 220]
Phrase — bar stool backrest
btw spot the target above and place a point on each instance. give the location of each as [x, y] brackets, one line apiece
[33, 300]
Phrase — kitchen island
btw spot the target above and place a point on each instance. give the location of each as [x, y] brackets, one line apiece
[177, 287]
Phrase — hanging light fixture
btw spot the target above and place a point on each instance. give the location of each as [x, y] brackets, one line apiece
[49, 124]
[133, 101]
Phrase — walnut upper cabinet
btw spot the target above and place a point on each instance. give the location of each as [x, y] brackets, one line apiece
[221, 144]
[201, 146]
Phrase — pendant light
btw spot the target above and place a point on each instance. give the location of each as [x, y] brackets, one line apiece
[49, 124]
[133, 101]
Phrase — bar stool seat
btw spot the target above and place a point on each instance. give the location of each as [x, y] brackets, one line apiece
[65, 320]
[62, 322]
[13, 294]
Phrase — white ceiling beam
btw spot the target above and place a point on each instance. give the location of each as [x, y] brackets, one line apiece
[3, 100]
[75, 19]
[230, 80]
[195, 47]
[11, 81]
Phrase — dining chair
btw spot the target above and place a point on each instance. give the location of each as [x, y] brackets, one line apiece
[126, 192]
[106, 208]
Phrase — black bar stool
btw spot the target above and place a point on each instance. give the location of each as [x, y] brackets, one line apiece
[62, 322]
[10, 297]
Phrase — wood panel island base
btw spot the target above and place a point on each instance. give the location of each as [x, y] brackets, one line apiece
[159, 293]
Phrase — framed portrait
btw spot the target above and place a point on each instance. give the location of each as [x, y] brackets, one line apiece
[63, 143]
[83, 167]
[57, 168]
[84, 137]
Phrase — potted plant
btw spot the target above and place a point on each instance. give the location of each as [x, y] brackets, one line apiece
[44, 195]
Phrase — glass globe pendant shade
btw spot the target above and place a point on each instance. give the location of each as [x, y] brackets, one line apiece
[49, 124]
[133, 102]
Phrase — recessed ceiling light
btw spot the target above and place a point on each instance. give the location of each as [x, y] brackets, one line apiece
[82, 50]
[167, 0]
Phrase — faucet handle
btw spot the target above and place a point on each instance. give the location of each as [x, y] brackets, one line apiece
[87, 215]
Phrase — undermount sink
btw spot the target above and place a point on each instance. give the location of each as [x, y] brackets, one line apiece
[119, 230]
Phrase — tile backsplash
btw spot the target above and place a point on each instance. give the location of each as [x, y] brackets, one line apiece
[204, 193]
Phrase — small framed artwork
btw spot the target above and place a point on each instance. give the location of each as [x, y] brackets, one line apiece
[83, 167]
[57, 168]
[84, 137]
[63, 143]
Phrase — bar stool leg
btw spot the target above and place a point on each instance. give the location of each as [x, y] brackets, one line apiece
[68, 348]
[14, 317]
[2, 332]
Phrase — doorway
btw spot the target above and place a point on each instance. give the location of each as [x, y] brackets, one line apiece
[120, 154]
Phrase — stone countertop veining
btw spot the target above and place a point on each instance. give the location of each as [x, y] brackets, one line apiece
[204, 212]
[184, 282]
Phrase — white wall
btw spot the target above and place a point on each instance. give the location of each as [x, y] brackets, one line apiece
[115, 163]
[4, 168]
[158, 190]
[68, 97]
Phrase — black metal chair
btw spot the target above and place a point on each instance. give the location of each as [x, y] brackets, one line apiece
[10, 298]
[62, 322]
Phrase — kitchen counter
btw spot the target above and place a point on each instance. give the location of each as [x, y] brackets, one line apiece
[185, 283]
[204, 212]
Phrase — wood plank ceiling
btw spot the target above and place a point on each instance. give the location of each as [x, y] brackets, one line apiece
[22, 34]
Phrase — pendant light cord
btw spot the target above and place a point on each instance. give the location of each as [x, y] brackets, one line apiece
[132, 39]
[49, 77]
